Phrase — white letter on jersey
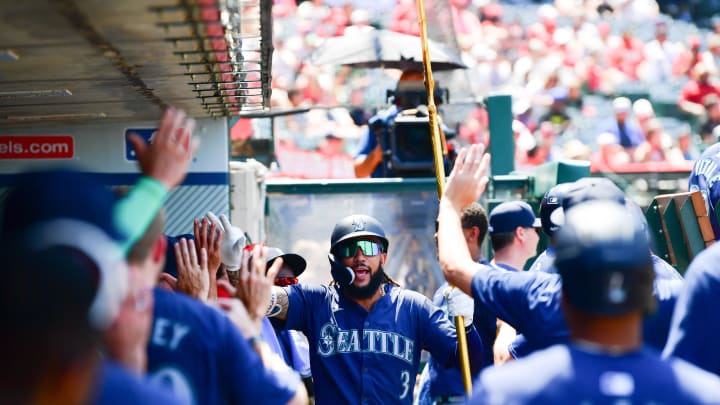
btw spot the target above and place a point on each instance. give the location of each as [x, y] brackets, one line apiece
[160, 338]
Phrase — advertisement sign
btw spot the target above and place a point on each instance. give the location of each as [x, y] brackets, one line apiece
[37, 147]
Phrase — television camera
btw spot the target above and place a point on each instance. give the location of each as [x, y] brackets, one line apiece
[406, 138]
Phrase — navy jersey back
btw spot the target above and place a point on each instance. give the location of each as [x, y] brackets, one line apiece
[202, 356]
[704, 177]
[368, 357]
[530, 302]
[119, 386]
[545, 261]
[695, 329]
[566, 374]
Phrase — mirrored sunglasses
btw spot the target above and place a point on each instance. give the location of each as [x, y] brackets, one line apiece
[368, 248]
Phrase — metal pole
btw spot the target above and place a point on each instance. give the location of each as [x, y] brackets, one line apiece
[440, 176]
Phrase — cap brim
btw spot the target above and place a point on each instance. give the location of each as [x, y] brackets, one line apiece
[294, 261]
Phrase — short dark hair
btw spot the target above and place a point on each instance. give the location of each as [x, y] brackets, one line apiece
[501, 240]
[475, 215]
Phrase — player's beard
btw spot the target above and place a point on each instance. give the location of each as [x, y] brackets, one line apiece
[369, 290]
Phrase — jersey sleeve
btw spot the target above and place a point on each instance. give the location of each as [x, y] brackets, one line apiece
[441, 338]
[245, 376]
[440, 335]
[528, 302]
[694, 323]
[134, 212]
[301, 300]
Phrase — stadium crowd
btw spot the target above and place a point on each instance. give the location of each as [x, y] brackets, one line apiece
[574, 69]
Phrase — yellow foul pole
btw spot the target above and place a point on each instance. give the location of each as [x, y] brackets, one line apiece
[440, 176]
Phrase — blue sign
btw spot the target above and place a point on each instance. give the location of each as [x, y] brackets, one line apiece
[146, 133]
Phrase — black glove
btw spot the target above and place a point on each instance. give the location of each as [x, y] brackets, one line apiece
[343, 275]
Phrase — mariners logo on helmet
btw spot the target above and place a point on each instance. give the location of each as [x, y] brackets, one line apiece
[358, 224]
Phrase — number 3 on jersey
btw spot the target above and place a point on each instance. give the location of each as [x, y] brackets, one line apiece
[405, 380]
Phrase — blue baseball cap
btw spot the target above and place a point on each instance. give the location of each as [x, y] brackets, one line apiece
[587, 189]
[65, 216]
[43, 195]
[509, 215]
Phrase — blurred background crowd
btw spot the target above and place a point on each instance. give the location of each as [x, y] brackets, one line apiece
[617, 82]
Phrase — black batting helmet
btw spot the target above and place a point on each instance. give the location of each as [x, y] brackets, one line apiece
[603, 256]
[354, 226]
[551, 201]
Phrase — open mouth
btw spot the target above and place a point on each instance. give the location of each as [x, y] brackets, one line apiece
[361, 272]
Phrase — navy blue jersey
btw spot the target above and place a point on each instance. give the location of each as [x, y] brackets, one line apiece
[545, 261]
[295, 351]
[119, 386]
[447, 382]
[202, 356]
[530, 303]
[695, 329]
[565, 374]
[704, 177]
[371, 357]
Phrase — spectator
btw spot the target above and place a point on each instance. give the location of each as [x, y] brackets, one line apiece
[627, 56]
[660, 53]
[694, 92]
[685, 62]
[711, 102]
[623, 126]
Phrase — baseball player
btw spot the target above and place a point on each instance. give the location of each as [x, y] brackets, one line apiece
[365, 332]
[553, 200]
[695, 330]
[64, 284]
[530, 301]
[293, 344]
[607, 286]
[199, 353]
[438, 384]
[704, 177]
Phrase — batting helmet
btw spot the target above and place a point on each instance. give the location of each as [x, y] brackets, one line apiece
[587, 189]
[551, 201]
[603, 257]
[354, 226]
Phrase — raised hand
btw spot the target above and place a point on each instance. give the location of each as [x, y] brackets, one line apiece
[233, 241]
[168, 157]
[255, 286]
[468, 178]
[208, 237]
[193, 277]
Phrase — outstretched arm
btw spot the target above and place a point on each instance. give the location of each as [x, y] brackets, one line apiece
[164, 164]
[465, 185]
